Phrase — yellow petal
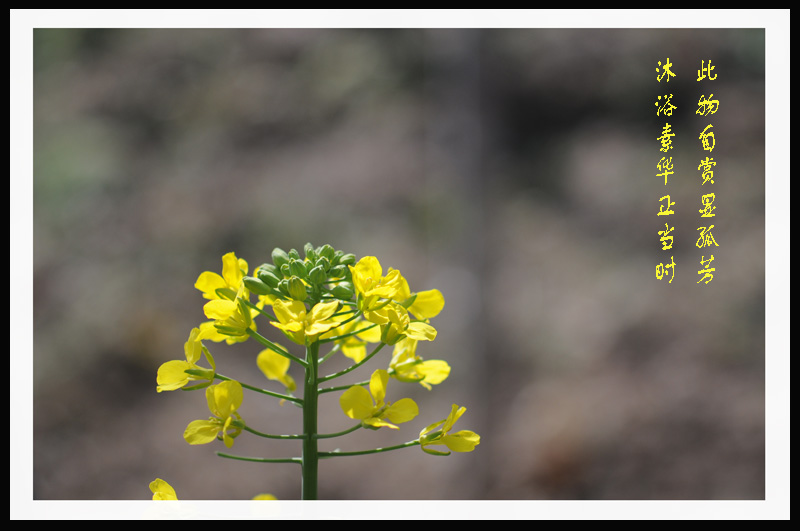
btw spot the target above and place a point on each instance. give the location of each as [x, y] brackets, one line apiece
[324, 310]
[428, 304]
[227, 398]
[209, 282]
[434, 371]
[377, 386]
[462, 441]
[288, 312]
[421, 332]
[455, 414]
[193, 348]
[171, 375]
[401, 411]
[232, 270]
[220, 309]
[264, 497]
[201, 431]
[274, 366]
[162, 490]
[356, 403]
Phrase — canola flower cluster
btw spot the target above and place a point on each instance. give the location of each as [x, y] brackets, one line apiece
[324, 297]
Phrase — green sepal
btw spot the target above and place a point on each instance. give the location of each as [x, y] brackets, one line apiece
[225, 293]
[196, 387]
[434, 452]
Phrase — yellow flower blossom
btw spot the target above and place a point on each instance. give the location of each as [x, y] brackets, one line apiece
[223, 401]
[172, 374]
[162, 490]
[274, 366]
[231, 317]
[423, 304]
[396, 325]
[461, 441]
[299, 325]
[371, 286]
[370, 408]
[227, 285]
[264, 497]
[406, 366]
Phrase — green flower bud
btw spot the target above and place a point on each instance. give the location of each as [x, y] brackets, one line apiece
[343, 291]
[348, 259]
[324, 263]
[297, 268]
[311, 254]
[283, 286]
[327, 251]
[294, 254]
[338, 271]
[297, 290]
[268, 278]
[337, 256]
[286, 271]
[317, 275]
[257, 286]
[279, 257]
[268, 267]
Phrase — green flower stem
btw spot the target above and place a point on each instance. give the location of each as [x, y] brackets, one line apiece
[310, 396]
[275, 348]
[261, 459]
[260, 310]
[338, 434]
[352, 367]
[326, 455]
[342, 387]
[343, 336]
[298, 401]
[333, 351]
[270, 436]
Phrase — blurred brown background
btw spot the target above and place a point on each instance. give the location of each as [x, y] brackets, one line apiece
[514, 170]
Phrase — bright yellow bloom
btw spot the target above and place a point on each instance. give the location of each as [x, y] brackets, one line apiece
[223, 401]
[369, 406]
[406, 366]
[232, 318]
[461, 441]
[172, 374]
[264, 497]
[371, 286]
[162, 490]
[274, 366]
[396, 325]
[226, 286]
[299, 325]
[423, 304]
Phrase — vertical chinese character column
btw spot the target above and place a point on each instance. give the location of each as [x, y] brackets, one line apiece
[664, 107]
[706, 107]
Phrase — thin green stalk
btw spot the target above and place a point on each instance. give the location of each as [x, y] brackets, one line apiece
[409, 444]
[298, 401]
[338, 434]
[352, 367]
[342, 387]
[344, 336]
[261, 459]
[270, 436]
[310, 396]
[275, 348]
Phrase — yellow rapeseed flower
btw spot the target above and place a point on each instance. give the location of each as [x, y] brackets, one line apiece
[461, 441]
[162, 490]
[298, 324]
[370, 408]
[223, 401]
